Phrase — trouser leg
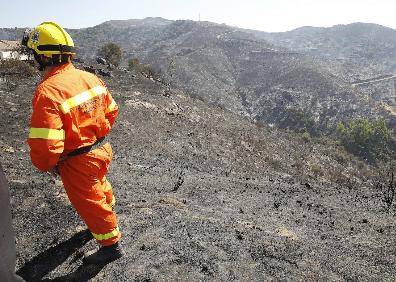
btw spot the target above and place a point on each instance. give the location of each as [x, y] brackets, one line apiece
[108, 191]
[91, 194]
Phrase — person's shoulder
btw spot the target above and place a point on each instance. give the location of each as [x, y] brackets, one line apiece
[87, 74]
[47, 89]
[82, 72]
[43, 87]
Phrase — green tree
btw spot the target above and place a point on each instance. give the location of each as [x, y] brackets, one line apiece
[367, 139]
[111, 52]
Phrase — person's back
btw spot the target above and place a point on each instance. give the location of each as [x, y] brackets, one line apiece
[85, 107]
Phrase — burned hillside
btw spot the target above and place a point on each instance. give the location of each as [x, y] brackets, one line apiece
[252, 73]
[260, 75]
[203, 194]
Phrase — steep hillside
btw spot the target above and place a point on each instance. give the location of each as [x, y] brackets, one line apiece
[229, 67]
[367, 45]
[131, 35]
[353, 52]
[232, 68]
[202, 195]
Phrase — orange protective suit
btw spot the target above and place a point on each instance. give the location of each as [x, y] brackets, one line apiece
[71, 110]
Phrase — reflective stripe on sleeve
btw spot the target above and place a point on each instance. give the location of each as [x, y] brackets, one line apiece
[111, 107]
[101, 237]
[81, 98]
[47, 133]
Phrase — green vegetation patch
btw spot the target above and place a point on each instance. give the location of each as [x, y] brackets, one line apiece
[369, 140]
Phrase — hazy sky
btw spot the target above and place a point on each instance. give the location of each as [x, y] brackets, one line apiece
[266, 15]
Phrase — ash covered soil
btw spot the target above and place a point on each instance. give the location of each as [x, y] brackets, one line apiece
[202, 195]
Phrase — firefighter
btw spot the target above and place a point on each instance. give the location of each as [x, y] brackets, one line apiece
[72, 113]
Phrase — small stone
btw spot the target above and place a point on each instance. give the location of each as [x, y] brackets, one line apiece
[80, 228]
[147, 211]
[284, 232]
[9, 150]
[173, 202]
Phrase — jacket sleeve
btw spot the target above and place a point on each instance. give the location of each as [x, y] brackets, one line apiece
[111, 112]
[46, 134]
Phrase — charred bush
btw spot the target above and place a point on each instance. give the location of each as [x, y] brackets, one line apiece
[18, 68]
[146, 70]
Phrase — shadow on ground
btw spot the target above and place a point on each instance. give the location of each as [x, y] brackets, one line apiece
[83, 273]
[47, 261]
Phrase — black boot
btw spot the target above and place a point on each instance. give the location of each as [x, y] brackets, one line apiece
[105, 254]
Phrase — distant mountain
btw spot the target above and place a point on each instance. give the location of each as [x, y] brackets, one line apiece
[366, 44]
[232, 68]
[150, 21]
[14, 34]
[243, 71]
[131, 35]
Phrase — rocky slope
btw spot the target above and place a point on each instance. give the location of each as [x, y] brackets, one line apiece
[202, 195]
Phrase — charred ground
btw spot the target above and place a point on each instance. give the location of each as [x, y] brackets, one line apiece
[202, 195]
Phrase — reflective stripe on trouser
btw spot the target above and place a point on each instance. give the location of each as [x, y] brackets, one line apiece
[84, 178]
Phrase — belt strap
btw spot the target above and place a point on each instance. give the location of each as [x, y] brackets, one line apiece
[86, 149]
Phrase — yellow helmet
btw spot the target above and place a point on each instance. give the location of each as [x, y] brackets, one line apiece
[49, 39]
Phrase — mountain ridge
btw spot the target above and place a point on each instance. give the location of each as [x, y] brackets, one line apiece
[214, 61]
[243, 72]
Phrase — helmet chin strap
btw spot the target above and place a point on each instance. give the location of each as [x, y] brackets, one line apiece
[41, 62]
[48, 62]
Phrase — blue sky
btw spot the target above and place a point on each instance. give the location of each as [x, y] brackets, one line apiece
[266, 15]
